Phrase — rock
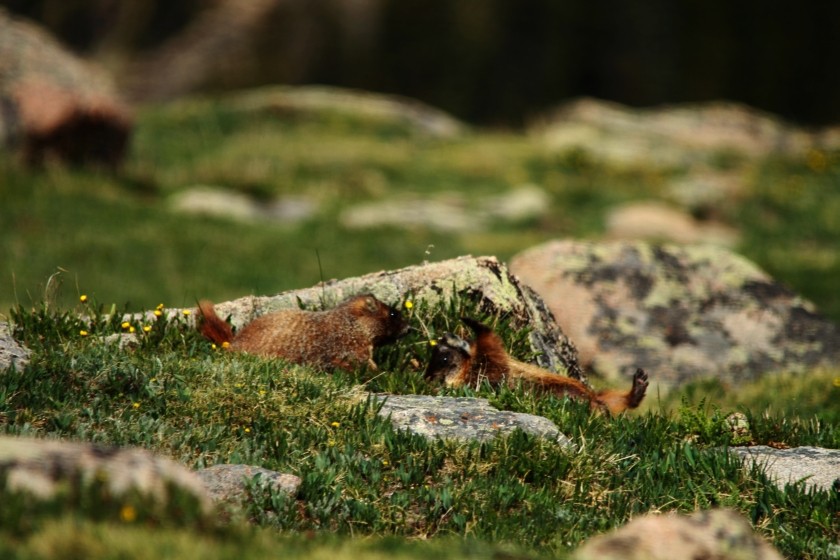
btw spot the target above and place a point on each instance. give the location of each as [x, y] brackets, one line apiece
[225, 203]
[674, 136]
[449, 211]
[719, 534]
[46, 468]
[819, 467]
[446, 212]
[657, 221]
[706, 189]
[461, 418]
[52, 104]
[681, 313]
[11, 352]
[739, 428]
[483, 280]
[227, 484]
[123, 341]
[370, 107]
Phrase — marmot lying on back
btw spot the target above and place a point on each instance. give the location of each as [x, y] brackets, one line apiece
[343, 337]
[457, 362]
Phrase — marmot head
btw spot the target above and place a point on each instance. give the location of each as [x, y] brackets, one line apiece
[383, 322]
[449, 361]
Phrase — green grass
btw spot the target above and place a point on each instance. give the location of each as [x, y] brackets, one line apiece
[177, 396]
[115, 238]
[112, 238]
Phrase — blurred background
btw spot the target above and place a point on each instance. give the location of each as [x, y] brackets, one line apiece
[449, 127]
[489, 62]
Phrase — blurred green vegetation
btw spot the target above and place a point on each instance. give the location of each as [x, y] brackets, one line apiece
[113, 236]
[367, 488]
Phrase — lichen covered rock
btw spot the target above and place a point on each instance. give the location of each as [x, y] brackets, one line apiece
[679, 312]
[461, 418]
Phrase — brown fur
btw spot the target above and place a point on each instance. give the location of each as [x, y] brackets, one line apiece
[457, 362]
[343, 337]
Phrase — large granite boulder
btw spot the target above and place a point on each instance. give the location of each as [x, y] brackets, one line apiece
[53, 104]
[679, 312]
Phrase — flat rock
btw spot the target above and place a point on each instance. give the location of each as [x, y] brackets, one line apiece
[660, 222]
[227, 484]
[676, 135]
[206, 200]
[43, 468]
[679, 312]
[449, 211]
[461, 418]
[817, 466]
[12, 353]
[720, 534]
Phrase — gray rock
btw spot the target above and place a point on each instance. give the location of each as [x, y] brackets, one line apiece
[42, 468]
[449, 211]
[719, 534]
[11, 352]
[226, 203]
[48, 96]
[226, 484]
[819, 467]
[680, 313]
[674, 136]
[481, 279]
[372, 107]
[461, 418]
[660, 222]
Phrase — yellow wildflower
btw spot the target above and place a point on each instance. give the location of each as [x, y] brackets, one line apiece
[147, 328]
[128, 514]
[186, 312]
[158, 312]
[433, 342]
[135, 405]
[126, 325]
[408, 304]
[335, 424]
[83, 298]
[83, 332]
[159, 306]
[225, 344]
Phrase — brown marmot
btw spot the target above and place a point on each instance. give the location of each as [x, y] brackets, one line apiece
[343, 337]
[457, 362]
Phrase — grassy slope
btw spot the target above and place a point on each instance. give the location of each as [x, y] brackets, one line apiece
[116, 240]
[118, 243]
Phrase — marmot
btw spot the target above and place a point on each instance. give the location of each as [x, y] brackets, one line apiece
[457, 362]
[343, 337]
